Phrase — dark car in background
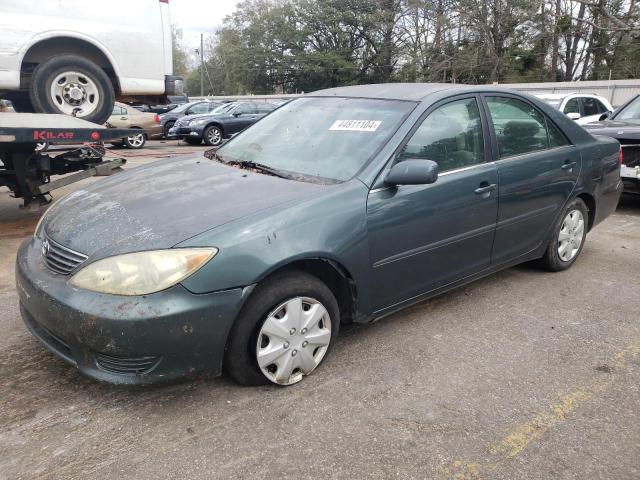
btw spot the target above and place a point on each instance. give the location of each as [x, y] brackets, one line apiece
[624, 126]
[221, 123]
[344, 205]
[168, 119]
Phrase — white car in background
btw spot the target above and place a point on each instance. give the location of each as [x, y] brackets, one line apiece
[77, 57]
[583, 108]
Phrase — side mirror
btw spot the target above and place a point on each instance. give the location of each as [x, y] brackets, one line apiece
[412, 172]
[237, 114]
[573, 115]
[605, 115]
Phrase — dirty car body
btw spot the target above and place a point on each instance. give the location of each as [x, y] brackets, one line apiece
[358, 211]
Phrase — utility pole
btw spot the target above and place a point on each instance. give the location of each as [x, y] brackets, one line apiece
[202, 64]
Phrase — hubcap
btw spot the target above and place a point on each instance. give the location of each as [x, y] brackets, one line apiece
[214, 136]
[136, 140]
[75, 94]
[293, 340]
[571, 235]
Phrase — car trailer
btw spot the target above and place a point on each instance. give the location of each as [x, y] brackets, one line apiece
[27, 172]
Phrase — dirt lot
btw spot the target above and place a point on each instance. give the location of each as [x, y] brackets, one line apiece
[524, 374]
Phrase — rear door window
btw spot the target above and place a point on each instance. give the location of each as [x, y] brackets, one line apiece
[592, 106]
[520, 128]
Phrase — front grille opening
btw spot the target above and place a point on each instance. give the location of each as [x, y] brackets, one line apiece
[59, 258]
[55, 343]
[129, 366]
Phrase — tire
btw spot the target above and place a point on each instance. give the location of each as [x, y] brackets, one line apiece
[241, 355]
[72, 85]
[136, 141]
[193, 141]
[212, 136]
[167, 126]
[570, 230]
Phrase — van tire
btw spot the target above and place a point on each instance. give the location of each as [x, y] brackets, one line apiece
[90, 79]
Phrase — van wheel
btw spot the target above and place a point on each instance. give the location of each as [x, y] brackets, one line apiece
[283, 332]
[74, 86]
[567, 238]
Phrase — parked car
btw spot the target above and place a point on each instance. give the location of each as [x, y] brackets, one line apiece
[69, 58]
[624, 126]
[221, 123]
[347, 204]
[126, 116]
[168, 119]
[582, 107]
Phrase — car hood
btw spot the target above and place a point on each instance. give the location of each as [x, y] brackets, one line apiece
[162, 204]
[614, 128]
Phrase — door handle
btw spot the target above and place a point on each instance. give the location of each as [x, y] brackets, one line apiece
[485, 188]
[123, 118]
[568, 165]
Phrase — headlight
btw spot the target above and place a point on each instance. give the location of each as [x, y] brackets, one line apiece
[142, 273]
[198, 122]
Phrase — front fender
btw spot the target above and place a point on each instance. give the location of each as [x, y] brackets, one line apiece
[330, 226]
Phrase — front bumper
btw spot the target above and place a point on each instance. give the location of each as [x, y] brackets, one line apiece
[120, 339]
[186, 132]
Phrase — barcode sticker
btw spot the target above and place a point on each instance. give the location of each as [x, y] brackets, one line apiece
[356, 125]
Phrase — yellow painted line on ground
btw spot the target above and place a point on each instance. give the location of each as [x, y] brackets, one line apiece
[516, 441]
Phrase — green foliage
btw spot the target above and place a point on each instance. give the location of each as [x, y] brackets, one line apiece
[285, 46]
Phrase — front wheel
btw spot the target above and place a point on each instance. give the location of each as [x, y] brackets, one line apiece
[168, 126]
[213, 136]
[284, 331]
[135, 141]
[568, 237]
[72, 85]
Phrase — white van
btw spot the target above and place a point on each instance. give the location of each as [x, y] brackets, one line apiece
[77, 57]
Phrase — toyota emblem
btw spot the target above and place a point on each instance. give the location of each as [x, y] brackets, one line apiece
[45, 248]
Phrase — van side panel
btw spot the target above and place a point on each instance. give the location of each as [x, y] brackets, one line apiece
[133, 41]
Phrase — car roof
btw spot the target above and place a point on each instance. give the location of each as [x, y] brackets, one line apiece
[387, 91]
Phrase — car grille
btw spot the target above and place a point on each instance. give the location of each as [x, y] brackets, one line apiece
[59, 258]
[125, 365]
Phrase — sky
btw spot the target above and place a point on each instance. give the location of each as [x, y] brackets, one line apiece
[199, 16]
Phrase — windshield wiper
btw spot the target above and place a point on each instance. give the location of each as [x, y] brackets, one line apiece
[257, 167]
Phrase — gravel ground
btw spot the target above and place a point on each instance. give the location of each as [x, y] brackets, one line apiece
[524, 374]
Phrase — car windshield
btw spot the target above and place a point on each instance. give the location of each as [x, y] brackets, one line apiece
[331, 138]
[183, 107]
[224, 108]
[631, 112]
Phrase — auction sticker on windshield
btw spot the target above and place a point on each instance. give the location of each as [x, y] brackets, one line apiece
[356, 125]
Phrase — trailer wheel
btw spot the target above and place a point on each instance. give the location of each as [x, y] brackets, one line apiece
[74, 86]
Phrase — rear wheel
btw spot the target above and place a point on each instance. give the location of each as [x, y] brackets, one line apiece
[284, 331]
[74, 86]
[567, 238]
[135, 141]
